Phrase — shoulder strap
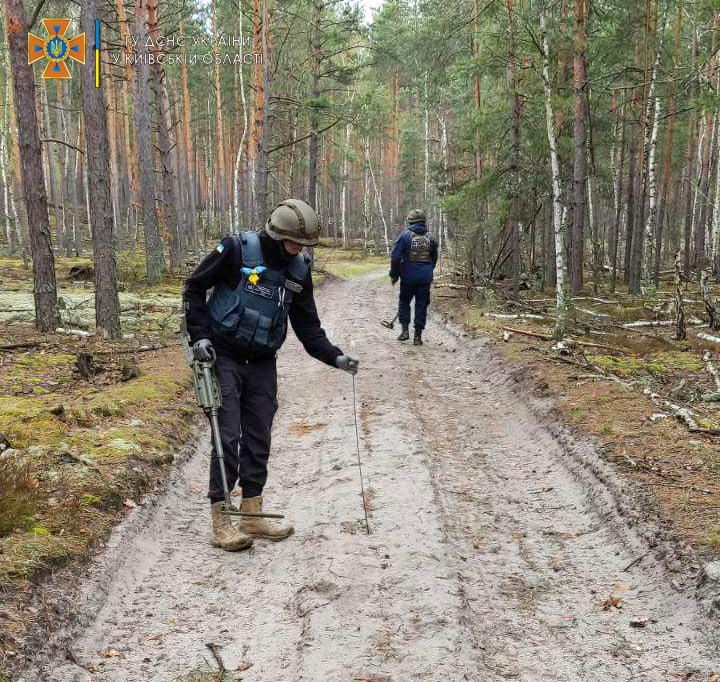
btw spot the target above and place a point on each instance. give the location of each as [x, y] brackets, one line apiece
[251, 251]
[299, 266]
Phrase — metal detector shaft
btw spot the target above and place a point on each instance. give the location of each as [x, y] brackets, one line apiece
[263, 515]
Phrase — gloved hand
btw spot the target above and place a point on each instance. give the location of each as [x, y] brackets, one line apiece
[394, 282]
[203, 351]
[347, 364]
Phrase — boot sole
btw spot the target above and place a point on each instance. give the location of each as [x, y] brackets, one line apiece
[272, 538]
[233, 546]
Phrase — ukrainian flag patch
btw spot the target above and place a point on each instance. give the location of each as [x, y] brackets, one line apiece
[220, 248]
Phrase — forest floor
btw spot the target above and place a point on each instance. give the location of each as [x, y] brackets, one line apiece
[86, 426]
[602, 391]
[502, 546]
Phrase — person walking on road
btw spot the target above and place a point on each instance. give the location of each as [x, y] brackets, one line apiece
[259, 281]
[413, 260]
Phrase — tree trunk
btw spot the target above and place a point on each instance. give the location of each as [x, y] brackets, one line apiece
[155, 258]
[192, 181]
[579, 135]
[667, 171]
[513, 220]
[615, 233]
[107, 305]
[263, 160]
[651, 224]
[220, 181]
[5, 176]
[315, 96]
[243, 136]
[166, 146]
[560, 299]
[45, 287]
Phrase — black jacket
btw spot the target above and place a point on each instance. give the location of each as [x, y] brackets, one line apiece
[218, 267]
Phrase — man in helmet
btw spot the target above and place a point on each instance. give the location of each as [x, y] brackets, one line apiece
[259, 281]
[413, 260]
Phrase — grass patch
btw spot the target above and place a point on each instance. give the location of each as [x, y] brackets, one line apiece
[78, 448]
[713, 539]
[345, 263]
[20, 493]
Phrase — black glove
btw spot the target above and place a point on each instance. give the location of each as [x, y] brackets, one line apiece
[203, 351]
[347, 364]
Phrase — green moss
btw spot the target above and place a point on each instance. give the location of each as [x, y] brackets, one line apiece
[24, 554]
[38, 529]
[679, 360]
[626, 366]
[113, 409]
[25, 422]
[90, 499]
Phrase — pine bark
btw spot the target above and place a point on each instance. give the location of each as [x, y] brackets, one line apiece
[154, 256]
[107, 304]
[579, 139]
[45, 287]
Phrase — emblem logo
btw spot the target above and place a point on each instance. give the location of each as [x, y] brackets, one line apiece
[56, 48]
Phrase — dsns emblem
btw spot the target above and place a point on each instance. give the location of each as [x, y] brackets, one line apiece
[56, 48]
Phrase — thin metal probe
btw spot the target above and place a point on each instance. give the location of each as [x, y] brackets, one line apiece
[357, 441]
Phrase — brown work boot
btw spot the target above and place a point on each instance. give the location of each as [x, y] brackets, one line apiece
[259, 527]
[224, 533]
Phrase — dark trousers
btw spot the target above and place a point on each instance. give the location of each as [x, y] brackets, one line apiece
[249, 403]
[421, 293]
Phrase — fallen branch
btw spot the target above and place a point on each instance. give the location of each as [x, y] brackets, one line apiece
[139, 349]
[591, 312]
[659, 323]
[682, 414]
[215, 651]
[708, 337]
[712, 370]
[517, 316]
[636, 561]
[534, 335]
[24, 344]
[72, 332]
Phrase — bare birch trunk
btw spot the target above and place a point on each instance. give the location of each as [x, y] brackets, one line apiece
[378, 199]
[561, 299]
[647, 278]
[241, 145]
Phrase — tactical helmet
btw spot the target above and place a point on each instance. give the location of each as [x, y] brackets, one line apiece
[295, 220]
[417, 215]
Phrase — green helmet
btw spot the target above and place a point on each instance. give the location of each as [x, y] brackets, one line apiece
[295, 220]
[417, 215]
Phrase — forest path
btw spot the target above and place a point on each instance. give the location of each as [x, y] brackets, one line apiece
[487, 560]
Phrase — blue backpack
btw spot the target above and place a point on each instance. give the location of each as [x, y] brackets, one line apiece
[252, 317]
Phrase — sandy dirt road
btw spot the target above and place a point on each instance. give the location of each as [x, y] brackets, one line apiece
[490, 554]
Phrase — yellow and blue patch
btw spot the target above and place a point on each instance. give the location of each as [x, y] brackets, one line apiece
[220, 248]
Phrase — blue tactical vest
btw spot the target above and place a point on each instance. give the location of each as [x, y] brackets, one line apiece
[252, 317]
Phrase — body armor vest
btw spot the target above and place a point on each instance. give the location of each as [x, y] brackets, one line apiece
[252, 317]
[419, 248]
